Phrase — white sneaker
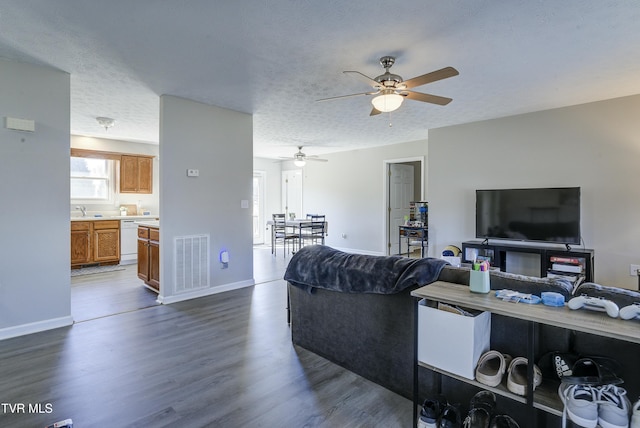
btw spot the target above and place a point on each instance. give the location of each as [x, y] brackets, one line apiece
[613, 407]
[635, 416]
[580, 404]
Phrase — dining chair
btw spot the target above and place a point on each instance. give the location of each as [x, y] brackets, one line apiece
[281, 232]
[313, 231]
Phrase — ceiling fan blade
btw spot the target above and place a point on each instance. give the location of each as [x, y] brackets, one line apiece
[374, 112]
[347, 96]
[309, 158]
[430, 77]
[428, 98]
[366, 79]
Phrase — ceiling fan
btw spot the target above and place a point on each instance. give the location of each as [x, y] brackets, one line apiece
[300, 159]
[391, 90]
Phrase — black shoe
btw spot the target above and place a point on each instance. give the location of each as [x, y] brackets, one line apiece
[485, 400]
[504, 421]
[480, 410]
[477, 418]
[450, 418]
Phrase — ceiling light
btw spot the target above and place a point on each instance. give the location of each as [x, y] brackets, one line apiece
[299, 162]
[386, 102]
[106, 122]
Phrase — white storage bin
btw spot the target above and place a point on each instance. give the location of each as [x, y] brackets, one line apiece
[452, 342]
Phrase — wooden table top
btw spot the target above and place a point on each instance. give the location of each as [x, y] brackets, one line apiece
[583, 320]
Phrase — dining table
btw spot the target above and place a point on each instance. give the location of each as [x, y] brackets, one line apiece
[297, 225]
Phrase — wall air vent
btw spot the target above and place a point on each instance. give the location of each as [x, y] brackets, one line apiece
[191, 263]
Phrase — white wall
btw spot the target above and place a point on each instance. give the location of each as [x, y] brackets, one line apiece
[219, 143]
[595, 146]
[35, 286]
[349, 190]
[150, 201]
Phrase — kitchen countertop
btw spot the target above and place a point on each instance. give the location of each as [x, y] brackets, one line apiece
[115, 217]
[150, 223]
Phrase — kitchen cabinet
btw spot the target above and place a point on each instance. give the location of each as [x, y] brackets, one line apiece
[149, 256]
[95, 242]
[107, 241]
[136, 174]
[80, 242]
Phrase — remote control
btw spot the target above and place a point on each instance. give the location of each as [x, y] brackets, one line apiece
[630, 312]
[594, 304]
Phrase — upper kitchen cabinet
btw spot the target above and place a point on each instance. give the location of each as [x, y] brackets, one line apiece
[136, 174]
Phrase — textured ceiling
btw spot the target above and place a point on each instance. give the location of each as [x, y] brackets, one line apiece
[274, 58]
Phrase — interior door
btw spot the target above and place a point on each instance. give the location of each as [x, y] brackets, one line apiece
[400, 195]
[292, 193]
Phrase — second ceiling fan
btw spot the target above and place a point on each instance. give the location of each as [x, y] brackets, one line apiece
[300, 158]
[390, 90]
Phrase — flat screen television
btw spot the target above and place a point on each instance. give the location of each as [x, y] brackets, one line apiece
[547, 215]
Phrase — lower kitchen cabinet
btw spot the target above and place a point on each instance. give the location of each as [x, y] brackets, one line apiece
[149, 256]
[107, 241]
[95, 242]
[80, 243]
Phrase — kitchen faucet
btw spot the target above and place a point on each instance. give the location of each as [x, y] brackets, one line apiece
[83, 209]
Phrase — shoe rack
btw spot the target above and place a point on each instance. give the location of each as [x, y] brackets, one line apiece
[545, 397]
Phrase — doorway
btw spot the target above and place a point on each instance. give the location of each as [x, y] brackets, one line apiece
[258, 207]
[404, 180]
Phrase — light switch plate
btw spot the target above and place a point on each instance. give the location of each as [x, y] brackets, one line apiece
[193, 173]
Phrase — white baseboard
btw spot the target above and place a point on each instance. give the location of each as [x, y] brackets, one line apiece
[128, 259]
[204, 292]
[35, 327]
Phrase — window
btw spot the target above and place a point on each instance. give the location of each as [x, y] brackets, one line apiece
[91, 179]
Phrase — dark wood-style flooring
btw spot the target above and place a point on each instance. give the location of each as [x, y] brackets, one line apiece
[219, 361]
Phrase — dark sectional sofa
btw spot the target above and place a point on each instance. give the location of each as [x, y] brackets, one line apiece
[372, 334]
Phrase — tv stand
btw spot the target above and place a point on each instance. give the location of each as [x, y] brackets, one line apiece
[553, 261]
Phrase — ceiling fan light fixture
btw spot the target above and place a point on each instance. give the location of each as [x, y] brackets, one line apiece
[299, 162]
[387, 102]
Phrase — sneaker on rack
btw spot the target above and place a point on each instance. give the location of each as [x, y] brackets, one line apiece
[430, 412]
[635, 415]
[450, 417]
[613, 407]
[580, 404]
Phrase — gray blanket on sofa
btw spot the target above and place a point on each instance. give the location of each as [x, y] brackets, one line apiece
[319, 266]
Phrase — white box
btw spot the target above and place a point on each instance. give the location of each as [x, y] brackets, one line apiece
[452, 342]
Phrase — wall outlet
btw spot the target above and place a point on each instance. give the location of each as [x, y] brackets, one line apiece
[633, 270]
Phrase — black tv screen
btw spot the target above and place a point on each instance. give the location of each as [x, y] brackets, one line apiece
[549, 215]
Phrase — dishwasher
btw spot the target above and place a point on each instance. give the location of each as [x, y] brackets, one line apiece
[128, 242]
